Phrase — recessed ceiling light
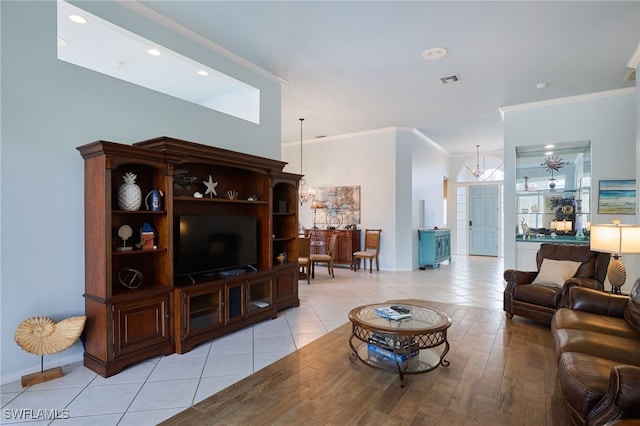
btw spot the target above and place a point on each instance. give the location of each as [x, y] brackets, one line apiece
[434, 53]
[62, 42]
[548, 153]
[78, 19]
[203, 72]
[541, 86]
[549, 146]
[153, 52]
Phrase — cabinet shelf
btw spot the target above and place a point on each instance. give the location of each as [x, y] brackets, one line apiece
[145, 291]
[205, 309]
[137, 212]
[552, 213]
[217, 200]
[283, 238]
[135, 252]
[259, 304]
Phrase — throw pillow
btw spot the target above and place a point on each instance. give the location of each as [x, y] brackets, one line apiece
[556, 272]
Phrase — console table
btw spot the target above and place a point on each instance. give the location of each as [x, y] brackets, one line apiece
[434, 247]
[348, 242]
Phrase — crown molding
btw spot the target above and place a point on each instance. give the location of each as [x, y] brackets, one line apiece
[634, 61]
[383, 130]
[567, 100]
[146, 12]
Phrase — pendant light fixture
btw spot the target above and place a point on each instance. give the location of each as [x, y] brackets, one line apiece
[304, 194]
[477, 172]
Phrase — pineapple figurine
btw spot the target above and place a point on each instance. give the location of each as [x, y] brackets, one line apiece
[129, 194]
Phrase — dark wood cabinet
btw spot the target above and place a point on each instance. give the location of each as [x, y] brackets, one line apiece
[209, 309]
[348, 242]
[139, 324]
[135, 307]
[286, 286]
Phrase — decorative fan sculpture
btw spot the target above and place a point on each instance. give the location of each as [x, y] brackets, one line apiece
[553, 163]
[43, 336]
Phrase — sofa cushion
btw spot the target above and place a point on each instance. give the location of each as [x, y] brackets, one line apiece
[584, 379]
[632, 311]
[617, 349]
[556, 272]
[574, 319]
[541, 295]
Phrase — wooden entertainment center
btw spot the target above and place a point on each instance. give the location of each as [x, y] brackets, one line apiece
[135, 305]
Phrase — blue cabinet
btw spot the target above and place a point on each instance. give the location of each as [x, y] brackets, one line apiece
[434, 247]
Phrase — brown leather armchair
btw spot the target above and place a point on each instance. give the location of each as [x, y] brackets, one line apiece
[539, 301]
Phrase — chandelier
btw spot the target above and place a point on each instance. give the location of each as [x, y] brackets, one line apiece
[477, 171]
[304, 194]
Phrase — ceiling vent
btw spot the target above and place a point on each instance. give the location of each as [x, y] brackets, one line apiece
[631, 76]
[450, 79]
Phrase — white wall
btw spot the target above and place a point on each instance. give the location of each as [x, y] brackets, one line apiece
[50, 107]
[607, 119]
[395, 168]
[429, 169]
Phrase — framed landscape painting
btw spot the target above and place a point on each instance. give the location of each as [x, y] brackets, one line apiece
[617, 197]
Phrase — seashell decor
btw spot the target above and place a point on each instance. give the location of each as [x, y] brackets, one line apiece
[232, 195]
[43, 336]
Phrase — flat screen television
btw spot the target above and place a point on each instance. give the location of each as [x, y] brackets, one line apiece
[207, 244]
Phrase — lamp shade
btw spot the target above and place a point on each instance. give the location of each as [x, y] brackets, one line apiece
[315, 205]
[617, 239]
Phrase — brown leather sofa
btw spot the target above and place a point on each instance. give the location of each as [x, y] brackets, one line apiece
[597, 342]
[539, 301]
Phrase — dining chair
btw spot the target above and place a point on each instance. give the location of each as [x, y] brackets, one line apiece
[371, 251]
[325, 258]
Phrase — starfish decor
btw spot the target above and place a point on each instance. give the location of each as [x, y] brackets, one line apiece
[211, 187]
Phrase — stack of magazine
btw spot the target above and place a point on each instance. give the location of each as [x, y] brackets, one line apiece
[384, 349]
[393, 312]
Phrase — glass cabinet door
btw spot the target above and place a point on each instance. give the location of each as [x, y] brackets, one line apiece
[260, 294]
[203, 310]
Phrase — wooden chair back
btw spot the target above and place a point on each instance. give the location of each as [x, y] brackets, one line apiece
[333, 242]
[372, 240]
[304, 247]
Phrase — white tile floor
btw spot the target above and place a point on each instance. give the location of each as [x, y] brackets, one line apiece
[156, 389]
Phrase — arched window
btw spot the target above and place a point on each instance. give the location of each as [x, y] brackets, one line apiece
[492, 169]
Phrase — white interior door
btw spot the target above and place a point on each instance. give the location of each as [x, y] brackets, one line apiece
[483, 220]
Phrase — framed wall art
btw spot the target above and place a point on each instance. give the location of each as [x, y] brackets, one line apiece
[617, 197]
[338, 201]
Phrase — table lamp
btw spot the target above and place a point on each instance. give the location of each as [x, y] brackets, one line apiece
[616, 239]
[564, 226]
[315, 206]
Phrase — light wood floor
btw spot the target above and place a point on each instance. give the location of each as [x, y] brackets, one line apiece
[502, 372]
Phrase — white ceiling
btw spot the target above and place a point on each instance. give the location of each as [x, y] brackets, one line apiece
[356, 66]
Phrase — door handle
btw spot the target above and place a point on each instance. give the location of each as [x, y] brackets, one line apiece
[470, 223]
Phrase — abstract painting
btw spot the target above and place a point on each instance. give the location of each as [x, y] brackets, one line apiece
[340, 205]
[617, 197]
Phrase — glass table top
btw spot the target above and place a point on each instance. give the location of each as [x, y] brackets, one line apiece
[421, 319]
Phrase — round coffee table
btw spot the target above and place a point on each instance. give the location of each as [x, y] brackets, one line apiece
[408, 346]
